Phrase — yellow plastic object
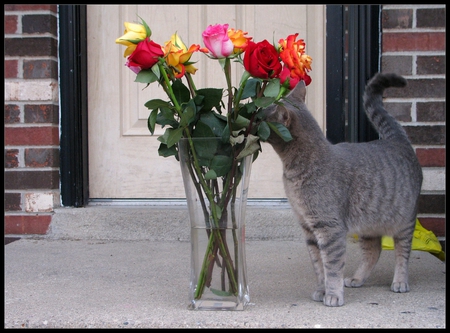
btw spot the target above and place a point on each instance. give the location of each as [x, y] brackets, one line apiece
[423, 240]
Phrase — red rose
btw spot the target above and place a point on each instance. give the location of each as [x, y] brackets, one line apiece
[145, 56]
[261, 60]
[286, 75]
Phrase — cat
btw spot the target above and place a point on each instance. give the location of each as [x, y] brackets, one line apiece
[370, 189]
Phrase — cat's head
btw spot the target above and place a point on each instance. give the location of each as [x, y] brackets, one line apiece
[284, 111]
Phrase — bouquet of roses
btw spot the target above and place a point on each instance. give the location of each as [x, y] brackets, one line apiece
[232, 114]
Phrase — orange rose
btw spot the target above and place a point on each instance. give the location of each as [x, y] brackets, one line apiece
[239, 40]
[292, 53]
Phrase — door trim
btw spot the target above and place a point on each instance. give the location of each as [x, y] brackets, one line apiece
[73, 105]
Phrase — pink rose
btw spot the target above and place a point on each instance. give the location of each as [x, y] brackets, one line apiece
[217, 41]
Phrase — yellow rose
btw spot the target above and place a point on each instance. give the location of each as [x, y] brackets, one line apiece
[134, 33]
[178, 56]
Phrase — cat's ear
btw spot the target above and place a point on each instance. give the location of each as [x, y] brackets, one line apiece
[278, 114]
[298, 94]
[284, 116]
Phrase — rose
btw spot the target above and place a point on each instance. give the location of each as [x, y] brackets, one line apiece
[285, 76]
[178, 55]
[217, 41]
[145, 56]
[292, 53]
[239, 40]
[134, 33]
[261, 60]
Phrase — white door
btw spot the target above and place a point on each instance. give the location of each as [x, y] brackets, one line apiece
[123, 158]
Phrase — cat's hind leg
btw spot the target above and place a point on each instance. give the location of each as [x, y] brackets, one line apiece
[371, 249]
[402, 252]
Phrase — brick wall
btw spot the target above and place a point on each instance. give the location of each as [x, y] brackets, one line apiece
[31, 134]
[413, 45]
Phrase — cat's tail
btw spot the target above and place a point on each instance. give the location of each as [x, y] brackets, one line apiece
[385, 124]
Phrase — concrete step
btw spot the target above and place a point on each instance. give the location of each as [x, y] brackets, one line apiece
[163, 223]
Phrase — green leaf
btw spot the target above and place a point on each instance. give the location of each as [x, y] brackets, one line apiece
[225, 134]
[164, 151]
[250, 88]
[152, 120]
[174, 135]
[147, 28]
[221, 164]
[146, 76]
[263, 131]
[181, 92]
[212, 98]
[251, 108]
[281, 130]
[202, 130]
[214, 123]
[188, 114]
[211, 174]
[156, 71]
[156, 104]
[170, 136]
[273, 88]
[166, 117]
[205, 148]
[240, 122]
[263, 102]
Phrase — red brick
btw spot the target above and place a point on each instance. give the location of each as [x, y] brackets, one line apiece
[40, 69]
[27, 224]
[12, 202]
[426, 135]
[418, 41]
[397, 18]
[35, 179]
[41, 113]
[41, 158]
[430, 111]
[31, 136]
[53, 8]
[11, 69]
[39, 24]
[434, 224]
[12, 114]
[34, 47]
[431, 157]
[11, 158]
[10, 24]
[431, 65]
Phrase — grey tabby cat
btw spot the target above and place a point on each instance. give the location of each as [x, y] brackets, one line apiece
[370, 189]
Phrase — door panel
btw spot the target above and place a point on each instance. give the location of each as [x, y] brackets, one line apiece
[123, 158]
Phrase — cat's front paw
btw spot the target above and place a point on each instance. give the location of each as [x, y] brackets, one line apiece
[353, 283]
[318, 295]
[400, 287]
[333, 300]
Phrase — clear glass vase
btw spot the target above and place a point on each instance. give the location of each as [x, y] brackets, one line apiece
[217, 207]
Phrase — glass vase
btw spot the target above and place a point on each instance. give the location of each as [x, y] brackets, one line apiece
[217, 208]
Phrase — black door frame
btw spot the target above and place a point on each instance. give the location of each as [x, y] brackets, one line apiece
[348, 67]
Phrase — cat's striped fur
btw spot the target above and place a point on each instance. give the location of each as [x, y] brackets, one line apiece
[370, 189]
